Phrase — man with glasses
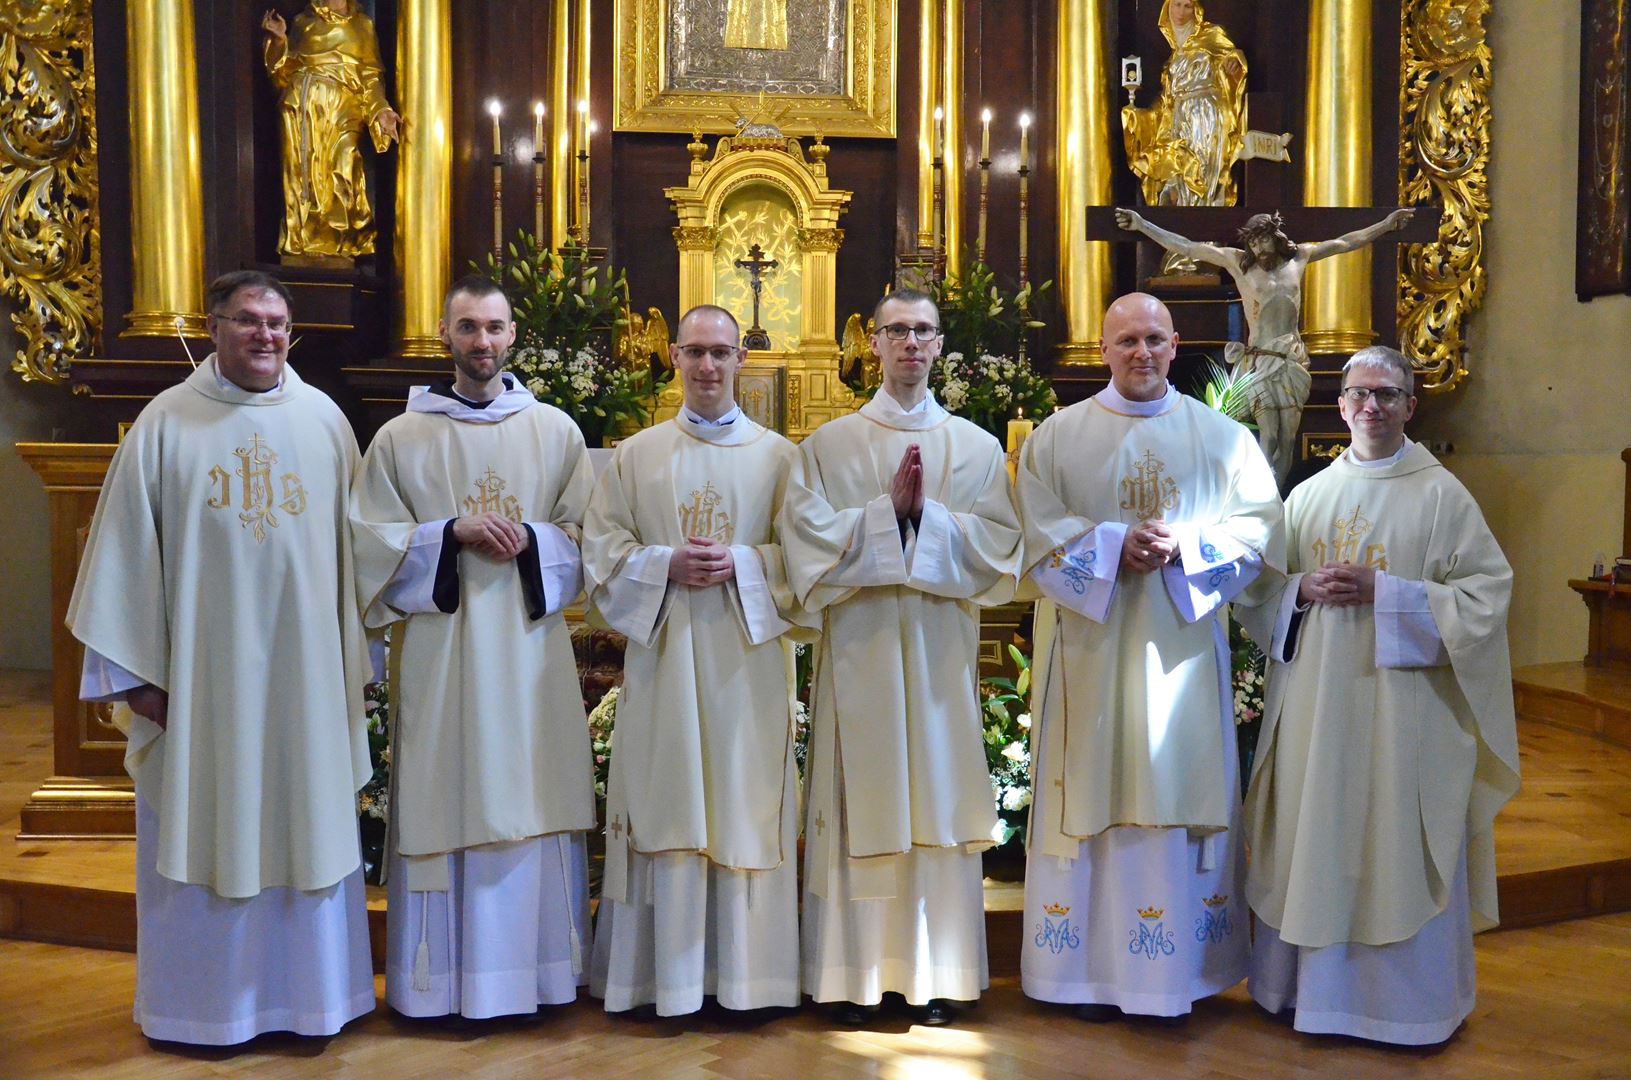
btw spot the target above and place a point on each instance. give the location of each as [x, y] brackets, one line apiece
[1388, 739]
[701, 888]
[1145, 512]
[898, 525]
[214, 600]
[465, 518]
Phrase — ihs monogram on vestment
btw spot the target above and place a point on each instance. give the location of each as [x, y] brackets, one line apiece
[1146, 491]
[261, 498]
[704, 516]
[1347, 543]
[490, 498]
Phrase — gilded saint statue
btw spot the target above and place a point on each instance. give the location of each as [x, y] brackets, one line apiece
[756, 24]
[1268, 270]
[328, 77]
[1183, 150]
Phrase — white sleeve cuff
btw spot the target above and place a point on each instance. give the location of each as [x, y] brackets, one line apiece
[411, 589]
[876, 555]
[635, 598]
[760, 619]
[1211, 570]
[1081, 575]
[101, 679]
[934, 561]
[560, 565]
[1406, 635]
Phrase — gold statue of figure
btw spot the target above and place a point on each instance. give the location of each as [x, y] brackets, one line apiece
[1183, 150]
[329, 81]
[756, 24]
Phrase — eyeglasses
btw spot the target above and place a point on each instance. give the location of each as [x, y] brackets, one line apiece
[897, 332]
[719, 354]
[249, 324]
[1386, 396]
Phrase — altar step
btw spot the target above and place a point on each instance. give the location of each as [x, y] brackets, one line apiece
[1592, 700]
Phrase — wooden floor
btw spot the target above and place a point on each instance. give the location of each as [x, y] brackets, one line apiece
[1553, 1002]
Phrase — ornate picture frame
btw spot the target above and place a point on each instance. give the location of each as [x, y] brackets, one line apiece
[835, 76]
[1603, 220]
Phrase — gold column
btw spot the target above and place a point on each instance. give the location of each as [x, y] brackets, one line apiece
[1082, 149]
[928, 96]
[424, 190]
[951, 94]
[1337, 169]
[562, 111]
[166, 179]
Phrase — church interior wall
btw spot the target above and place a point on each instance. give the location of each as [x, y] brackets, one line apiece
[1539, 426]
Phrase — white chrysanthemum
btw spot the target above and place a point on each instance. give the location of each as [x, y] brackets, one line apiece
[1014, 751]
[1016, 798]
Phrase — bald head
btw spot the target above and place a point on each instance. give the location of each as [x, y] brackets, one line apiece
[1138, 344]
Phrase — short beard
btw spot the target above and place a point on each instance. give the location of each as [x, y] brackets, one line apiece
[462, 364]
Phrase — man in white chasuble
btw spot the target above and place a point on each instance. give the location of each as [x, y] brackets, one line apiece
[1145, 511]
[1389, 741]
[465, 518]
[701, 889]
[215, 599]
[899, 524]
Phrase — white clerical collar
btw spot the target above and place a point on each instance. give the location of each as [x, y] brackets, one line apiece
[886, 410]
[702, 421]
[1381, 463]
[515, 398]
[1110, 399]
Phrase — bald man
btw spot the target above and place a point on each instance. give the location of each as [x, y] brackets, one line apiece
[1145, 512]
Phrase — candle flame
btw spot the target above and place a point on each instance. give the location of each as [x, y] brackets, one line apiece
[1024, 119]
[494, 109]
[939, 113]
[583, 105]
[538, 109]
[985, 116]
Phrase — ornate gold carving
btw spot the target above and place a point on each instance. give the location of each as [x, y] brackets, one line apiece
[695, 237]
[1444, 130]
[50, 242]
[795, 401]
[820, 239]
[1324, 447]
[675, 72]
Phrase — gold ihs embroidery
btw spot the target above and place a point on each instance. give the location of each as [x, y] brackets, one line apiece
[261, 498]
[490, 498]
[704, 517]
[1347, 543]
[1146, 492]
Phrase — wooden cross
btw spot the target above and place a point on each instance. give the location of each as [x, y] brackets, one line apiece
[820, 824]
[756, 264]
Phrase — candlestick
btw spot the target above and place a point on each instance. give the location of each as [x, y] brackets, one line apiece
[1024, 199]
[985, 183]
[494, 109]
[937, 262]
[538, 173]
[580, 142]
[588, 137]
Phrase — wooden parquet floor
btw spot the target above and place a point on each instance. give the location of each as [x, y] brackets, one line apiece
[1553, 1002]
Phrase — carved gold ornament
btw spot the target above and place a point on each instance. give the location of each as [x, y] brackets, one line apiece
[1444, 131]
[50, 247]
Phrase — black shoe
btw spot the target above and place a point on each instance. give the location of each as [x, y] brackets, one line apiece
[1097, 1014]
[937, 1013]
[849, 1014]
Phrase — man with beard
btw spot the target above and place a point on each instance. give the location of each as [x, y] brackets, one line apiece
[465, 520]
[1268, 271]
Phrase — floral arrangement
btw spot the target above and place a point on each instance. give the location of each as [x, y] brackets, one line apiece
[602, 719]
[1248, 677]
[374, 800]
[567, 313]
[990, 390]
[1007, 749]
[983, 374]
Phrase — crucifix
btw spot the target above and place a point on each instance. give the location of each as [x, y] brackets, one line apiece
[756, 264]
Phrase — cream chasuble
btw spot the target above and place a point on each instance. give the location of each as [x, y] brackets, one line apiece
[1133, 667]
[704, 724]
[897, 670]
[492, 741]
[1374, 774]
[218, 568]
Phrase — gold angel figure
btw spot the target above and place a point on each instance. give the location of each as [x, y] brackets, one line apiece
[642, 339]
[857, 357]
[1183, 150]
[328, 77]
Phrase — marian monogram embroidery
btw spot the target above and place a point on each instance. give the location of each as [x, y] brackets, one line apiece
[1055, 933]
[1146, 491]
[1347, 543]
[1077, 569]
[490, 498]
[704, 517]
[262, 498]
[1150, 938]
[1214, 924]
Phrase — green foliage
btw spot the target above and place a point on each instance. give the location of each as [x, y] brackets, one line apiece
[1229, 391]
[981, 318]
[1007, 723]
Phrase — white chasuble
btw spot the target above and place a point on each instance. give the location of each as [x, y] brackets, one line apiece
[1129, 689]
[897, 670]
[704, 723]
[1374, 775]
[491, 739]
[218, 569]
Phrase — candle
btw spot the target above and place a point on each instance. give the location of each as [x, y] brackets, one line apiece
[985, 135]
[494, 109]
[1024, 140]
[1024, 199]
[939, 133]
[537, 128]
[538, 171]
[1019, 430]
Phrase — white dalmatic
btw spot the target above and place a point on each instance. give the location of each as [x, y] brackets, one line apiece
[492, 782]
[1133, 881]
[701, 892]
[899, 796]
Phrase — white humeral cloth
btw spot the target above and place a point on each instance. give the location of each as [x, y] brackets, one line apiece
[1134, 870]
[218, 568]
[700, 894]
[899, 795]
